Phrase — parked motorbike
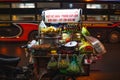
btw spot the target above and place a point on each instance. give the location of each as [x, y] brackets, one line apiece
[9, 69]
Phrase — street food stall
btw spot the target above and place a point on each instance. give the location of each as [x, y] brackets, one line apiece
[64, 47]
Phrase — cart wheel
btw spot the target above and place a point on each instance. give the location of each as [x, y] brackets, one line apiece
[70, 78]
[45, 77]
[59, 77]
[63, 77]
[32, 77]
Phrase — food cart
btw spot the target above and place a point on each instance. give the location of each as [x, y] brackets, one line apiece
[64, 48]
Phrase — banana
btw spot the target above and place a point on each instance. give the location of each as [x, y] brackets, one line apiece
[86, 47]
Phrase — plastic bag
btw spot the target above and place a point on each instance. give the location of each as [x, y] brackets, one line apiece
[52, 64]
[85, 32]
[98, 46]
[63, 62]
[74, 66]
[80, 59]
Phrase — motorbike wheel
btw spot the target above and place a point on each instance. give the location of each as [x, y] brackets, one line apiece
[114, 37]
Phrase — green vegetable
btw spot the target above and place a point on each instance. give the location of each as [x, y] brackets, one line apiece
[85, 32]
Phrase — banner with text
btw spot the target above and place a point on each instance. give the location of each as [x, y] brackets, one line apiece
[62, 15]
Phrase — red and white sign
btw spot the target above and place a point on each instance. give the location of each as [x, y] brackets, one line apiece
[62, 15]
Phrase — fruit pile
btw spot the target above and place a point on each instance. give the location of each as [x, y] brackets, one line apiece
[50, 30]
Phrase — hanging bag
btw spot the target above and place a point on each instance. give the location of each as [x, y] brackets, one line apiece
[80, 59]
[52, 64]
[63, 62]
[74, 66]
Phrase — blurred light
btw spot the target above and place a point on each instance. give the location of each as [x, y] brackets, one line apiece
[70, 5]
[98, 36]
[2, 37]
[27, 5]
[17, 37]
[18, 51]
[4, 50]
[88, 0]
